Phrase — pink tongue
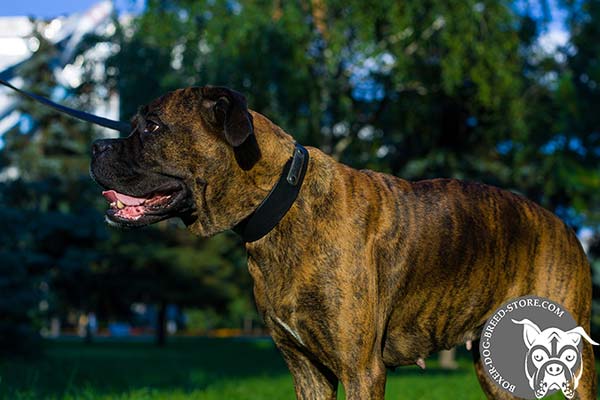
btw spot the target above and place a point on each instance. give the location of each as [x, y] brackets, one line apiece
[113, 196]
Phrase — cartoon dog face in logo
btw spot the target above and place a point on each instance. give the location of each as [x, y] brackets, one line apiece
[553, 360]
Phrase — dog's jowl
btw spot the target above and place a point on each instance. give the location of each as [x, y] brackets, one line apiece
[363, 271]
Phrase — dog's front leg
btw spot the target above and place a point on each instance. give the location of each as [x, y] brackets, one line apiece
[312, 380]
[366, 382]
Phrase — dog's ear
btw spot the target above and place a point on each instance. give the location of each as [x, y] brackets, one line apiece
[530, 331]
[577, 333]
[228, 110]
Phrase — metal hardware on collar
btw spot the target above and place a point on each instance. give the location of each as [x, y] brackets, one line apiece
[123, 127]
[279, 200]
[296, 168]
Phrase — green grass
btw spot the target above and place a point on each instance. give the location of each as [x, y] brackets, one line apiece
[202, 369]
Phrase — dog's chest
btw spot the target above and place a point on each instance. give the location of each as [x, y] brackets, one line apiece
[291, 332]
[282, 309]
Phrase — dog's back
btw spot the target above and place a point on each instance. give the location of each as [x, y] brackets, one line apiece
[460, 250]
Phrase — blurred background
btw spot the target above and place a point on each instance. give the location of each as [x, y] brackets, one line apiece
[503, 92]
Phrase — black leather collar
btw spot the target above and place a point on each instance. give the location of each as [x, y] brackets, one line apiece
[279, 200]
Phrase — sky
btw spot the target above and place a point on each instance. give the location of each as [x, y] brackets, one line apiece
[53, 8]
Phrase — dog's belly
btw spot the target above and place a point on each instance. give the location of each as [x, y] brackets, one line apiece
[416, 332]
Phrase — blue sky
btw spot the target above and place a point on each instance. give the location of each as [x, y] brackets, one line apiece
[53, 8]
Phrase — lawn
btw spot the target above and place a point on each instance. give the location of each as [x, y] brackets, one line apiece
[203, 369]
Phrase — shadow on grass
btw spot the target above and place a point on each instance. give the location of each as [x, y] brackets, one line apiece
[113, 367]
[69, 368]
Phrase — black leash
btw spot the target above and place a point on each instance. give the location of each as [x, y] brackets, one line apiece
[270, 211]
[123, 127]
[277, 203]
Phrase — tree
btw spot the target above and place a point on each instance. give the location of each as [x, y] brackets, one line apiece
[51, 226]
[418, 89]
[362, 81]
[19, 277]
[164, 266]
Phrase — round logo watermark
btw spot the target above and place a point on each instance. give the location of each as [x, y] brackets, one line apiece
[531, 347]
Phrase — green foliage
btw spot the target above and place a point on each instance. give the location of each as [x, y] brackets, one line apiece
[18, 285]
[42, 217]
[165, 264]
[56, 238]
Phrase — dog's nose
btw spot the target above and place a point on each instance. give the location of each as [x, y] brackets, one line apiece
[554, 369]
[100, 146]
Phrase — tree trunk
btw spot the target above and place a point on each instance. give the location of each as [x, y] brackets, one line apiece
[448, 359]
[161, 324]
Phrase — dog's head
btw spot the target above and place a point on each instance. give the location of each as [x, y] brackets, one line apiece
[553, 359]
[182, 151]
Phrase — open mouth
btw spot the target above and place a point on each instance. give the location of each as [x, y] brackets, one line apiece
[127, 210]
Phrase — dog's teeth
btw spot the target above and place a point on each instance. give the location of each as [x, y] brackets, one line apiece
[120, 205]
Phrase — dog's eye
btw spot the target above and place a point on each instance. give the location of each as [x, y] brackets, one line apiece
[151, 127]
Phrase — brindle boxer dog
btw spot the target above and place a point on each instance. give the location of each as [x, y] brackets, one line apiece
[365, 271]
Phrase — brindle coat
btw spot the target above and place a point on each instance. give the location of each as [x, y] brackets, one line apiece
[366, 271]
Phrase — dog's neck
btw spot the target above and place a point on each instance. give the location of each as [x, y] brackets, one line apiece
[276, 148]
[241, 192]
[279, 260]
